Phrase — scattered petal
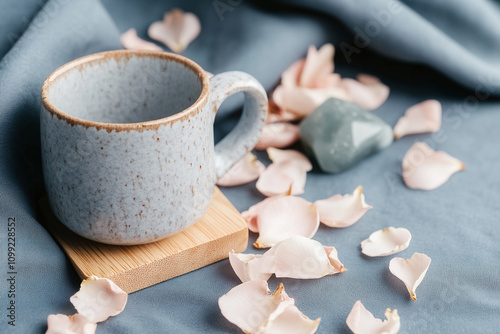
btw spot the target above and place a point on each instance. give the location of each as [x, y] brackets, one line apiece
[342, 211]
[278, 135]
[362, 321]
[284, 217]
[302, 101]
[318, 63]
[253, 212]
[291, 321]
[244, 171]
[248, 267]
[420, 118]
[386, 242]
[296, 157]
[426, 169]
[131, 41]
[300, 257]
[177, 30]
[74, 324]
[411, 271]
[287, 173]
[368, 92]
[252, 308]
[99, 298]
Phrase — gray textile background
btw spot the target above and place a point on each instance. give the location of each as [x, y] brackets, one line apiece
[457, 225]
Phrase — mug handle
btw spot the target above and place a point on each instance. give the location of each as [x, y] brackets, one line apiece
[245, 135]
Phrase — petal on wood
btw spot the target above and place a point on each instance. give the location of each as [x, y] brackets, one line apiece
[74, 324]
[426, 169]
[386, 242]
[248, 267]
[342, 211]
[177, 30]
[131, 41]
[362, 321]
[285, 217]
[244, 171]
[368, 92]
[411, 271]
[278, 135]
[99, 298]
[420, 118]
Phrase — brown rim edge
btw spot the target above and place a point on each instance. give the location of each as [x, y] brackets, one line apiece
[120, 54]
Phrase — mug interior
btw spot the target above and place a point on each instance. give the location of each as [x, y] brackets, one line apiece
[125, 87]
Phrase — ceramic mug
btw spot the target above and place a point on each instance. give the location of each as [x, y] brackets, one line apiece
[127, 142]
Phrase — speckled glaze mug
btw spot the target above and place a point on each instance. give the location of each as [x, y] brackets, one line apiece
[127, 142]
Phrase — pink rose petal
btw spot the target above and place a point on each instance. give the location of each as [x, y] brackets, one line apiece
[286, 175]
[362, 321]
[386, 242]
[426, 169]
[253, 212]
[319, 63]
[368, 92]
[301, 257]
[244, 171]
[411, 271]
[177, 30]
[278, 135]
[420, 118]
[252, 308]
[99, 298]
[284, 217]
[248, 267]
[131, 41]
[342, 211]
[74, 324]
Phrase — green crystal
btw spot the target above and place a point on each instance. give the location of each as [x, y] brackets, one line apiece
[339, 134]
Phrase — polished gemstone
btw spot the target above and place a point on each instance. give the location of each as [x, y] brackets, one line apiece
[339, 134]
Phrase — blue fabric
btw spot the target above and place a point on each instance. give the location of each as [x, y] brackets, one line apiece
[457, 225]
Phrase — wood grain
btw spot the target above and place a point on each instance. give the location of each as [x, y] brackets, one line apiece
[137, 267]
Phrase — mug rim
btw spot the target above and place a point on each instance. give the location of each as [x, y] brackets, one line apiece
[117, 55]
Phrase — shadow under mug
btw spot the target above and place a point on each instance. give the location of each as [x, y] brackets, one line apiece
[127, 142]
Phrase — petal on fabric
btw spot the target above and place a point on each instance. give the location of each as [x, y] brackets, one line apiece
[333, 257]
[303, 258]
[290, 320]
[244, 171]
[177, 30]
[248, 267]
[342, 211]
[250, 304]
[426, 169]
[298, 158]
[278, 135]
[74, 324]
[420, 118]
[131, 41]
[318, 63]
[287, 173]
[362, 321]
[411, 271]
[99, 298]
[302, 101]
[277, 114]
[368, 91]
[285, 217]
[386, 242]
[290, 77]
[253, 212]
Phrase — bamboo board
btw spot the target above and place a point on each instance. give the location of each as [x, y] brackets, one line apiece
[137, 267]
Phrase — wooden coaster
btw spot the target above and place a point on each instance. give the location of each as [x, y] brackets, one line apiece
[137, 267]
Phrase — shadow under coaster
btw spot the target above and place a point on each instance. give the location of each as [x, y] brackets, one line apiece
[133, 268]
